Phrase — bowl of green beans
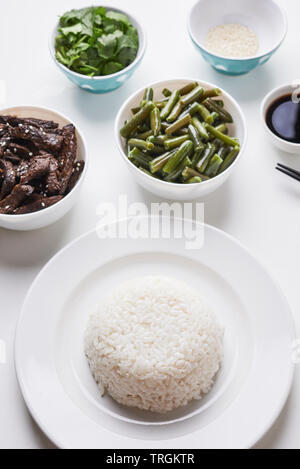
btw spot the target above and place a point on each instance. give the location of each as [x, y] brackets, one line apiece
[181, 139]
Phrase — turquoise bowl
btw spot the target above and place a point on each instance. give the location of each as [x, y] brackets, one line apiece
[265, 17]
[107, 83]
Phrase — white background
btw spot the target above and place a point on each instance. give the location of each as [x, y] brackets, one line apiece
[258, 206]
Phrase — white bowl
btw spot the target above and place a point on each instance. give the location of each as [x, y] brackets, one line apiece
[104, 83]
[171, 190]
[280, 143]
[46, 217]
[265, 17]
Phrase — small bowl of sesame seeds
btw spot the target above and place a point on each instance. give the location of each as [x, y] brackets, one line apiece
[43, 162]
[236, 36]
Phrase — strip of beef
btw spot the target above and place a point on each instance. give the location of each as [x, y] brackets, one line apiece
[76, 173]
[15, 199]
[4, 142]
[22, 168]
[20, 150]
[3, 130]
[9, 156]
[36, 206]
[38, 168]
[15, 121]
[43, 140]
[68, 155]
[8, 178]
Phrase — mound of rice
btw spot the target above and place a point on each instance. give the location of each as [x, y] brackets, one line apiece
[154, 344]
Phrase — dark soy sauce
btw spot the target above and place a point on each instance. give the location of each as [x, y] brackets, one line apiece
[283, 118]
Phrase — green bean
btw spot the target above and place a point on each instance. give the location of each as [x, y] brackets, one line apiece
[166, 92]
[148, 172]
[213, 106]
[144, 135]
[160, 105]
[159, 140]
[166, 111]
[203, 163]
[176, 112]
[155, 121]
[200, 128]
[192, 109]
[135, 110]
[184, 150]
[190, 172]
[215, 116]
[138, 158]
[194, 180]
[213, 93]
[222, 128]
[149, 94]
[195, 137]
[188, 88]
[145, 127]
[136, 120]
[230, 158]
[205, 114]
[223, 152]
[214, 166]
[197, 156]
[194, 95]
[174, 175]
[178, 124]
[175, 142]
[224, 138]
[158, 163]
[219, 102]
[156, 150]
[181, 132]
[140, 144]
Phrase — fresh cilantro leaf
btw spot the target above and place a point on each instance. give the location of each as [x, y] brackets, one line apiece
[107, 44]
[119, 17]
[95, 41]
[76, 29]
[111, 67]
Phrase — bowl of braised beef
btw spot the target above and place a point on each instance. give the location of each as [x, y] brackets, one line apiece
[43, 161]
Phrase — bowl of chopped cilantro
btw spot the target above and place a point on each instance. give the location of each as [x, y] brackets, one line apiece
[98, 48]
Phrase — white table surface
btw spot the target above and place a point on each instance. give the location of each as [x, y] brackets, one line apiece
[258, 206]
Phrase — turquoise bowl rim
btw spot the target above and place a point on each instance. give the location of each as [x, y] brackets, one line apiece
[255, 58]
[102, 78]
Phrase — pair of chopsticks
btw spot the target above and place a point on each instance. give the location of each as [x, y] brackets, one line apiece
[288, 171]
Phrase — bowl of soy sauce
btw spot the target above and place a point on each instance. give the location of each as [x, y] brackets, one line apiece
[281, 117]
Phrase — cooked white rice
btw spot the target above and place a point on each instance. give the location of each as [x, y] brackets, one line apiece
[154, 344]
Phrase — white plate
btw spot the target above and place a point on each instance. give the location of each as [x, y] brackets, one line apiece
[250, 390]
